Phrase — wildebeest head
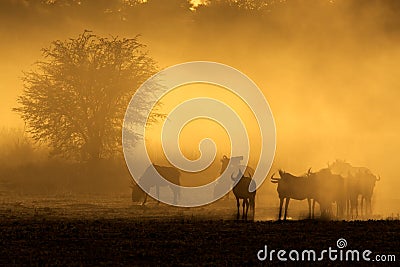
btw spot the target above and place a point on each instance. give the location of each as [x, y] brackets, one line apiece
[282, 174]
[238, 177]
[230, 162]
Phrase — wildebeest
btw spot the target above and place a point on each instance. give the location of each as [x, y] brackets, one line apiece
[328, 188]
[360, 181]
[290, 186]
[367, 185]
[149, 179]
[231, 166]
[353, 190]
[241, 191]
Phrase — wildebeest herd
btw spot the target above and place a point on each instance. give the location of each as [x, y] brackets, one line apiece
[339, 185]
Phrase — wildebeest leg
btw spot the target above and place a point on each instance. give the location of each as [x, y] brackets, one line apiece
[243, 207]
[313, 209]
[309, 208]
[337, 209]
[286, 206]
[356, 206]
[253, 205]
[352, 208]
[351, 204]
[368, 207]
[238, 207]
[362, 206]
[246, 202]
[175, 195]
[356, 202]
[342, 208]
[145, 198]
[158, 194]
[280, 207]
[323, 210]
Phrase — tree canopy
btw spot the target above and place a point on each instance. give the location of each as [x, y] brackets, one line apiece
[75, 98]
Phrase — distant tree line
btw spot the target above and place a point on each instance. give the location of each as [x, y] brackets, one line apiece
[148, 12]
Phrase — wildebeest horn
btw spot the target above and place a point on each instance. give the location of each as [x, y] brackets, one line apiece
[309, 171]
[240, 174]
[273, 179]
[378, 178]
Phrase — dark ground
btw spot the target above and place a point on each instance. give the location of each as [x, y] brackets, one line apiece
[178, 241]
[104, 230]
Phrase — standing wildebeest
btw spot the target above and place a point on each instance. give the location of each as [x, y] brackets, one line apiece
[367, 185]
[328, 188]
[360, 181]
[241, 191]
[352, 190]
[232, 166]
[290, 186]
[149, 179]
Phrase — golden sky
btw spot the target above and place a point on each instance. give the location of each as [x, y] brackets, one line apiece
[199, 129]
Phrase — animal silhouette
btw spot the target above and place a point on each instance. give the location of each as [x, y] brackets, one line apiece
[244, 188]
[328, 188]
[231, 166]
[359, 184]
[149, 179]
[293, 187]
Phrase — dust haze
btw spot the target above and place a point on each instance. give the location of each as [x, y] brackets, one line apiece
[329, 70]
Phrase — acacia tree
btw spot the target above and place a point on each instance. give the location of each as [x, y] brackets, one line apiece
[76, 97]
